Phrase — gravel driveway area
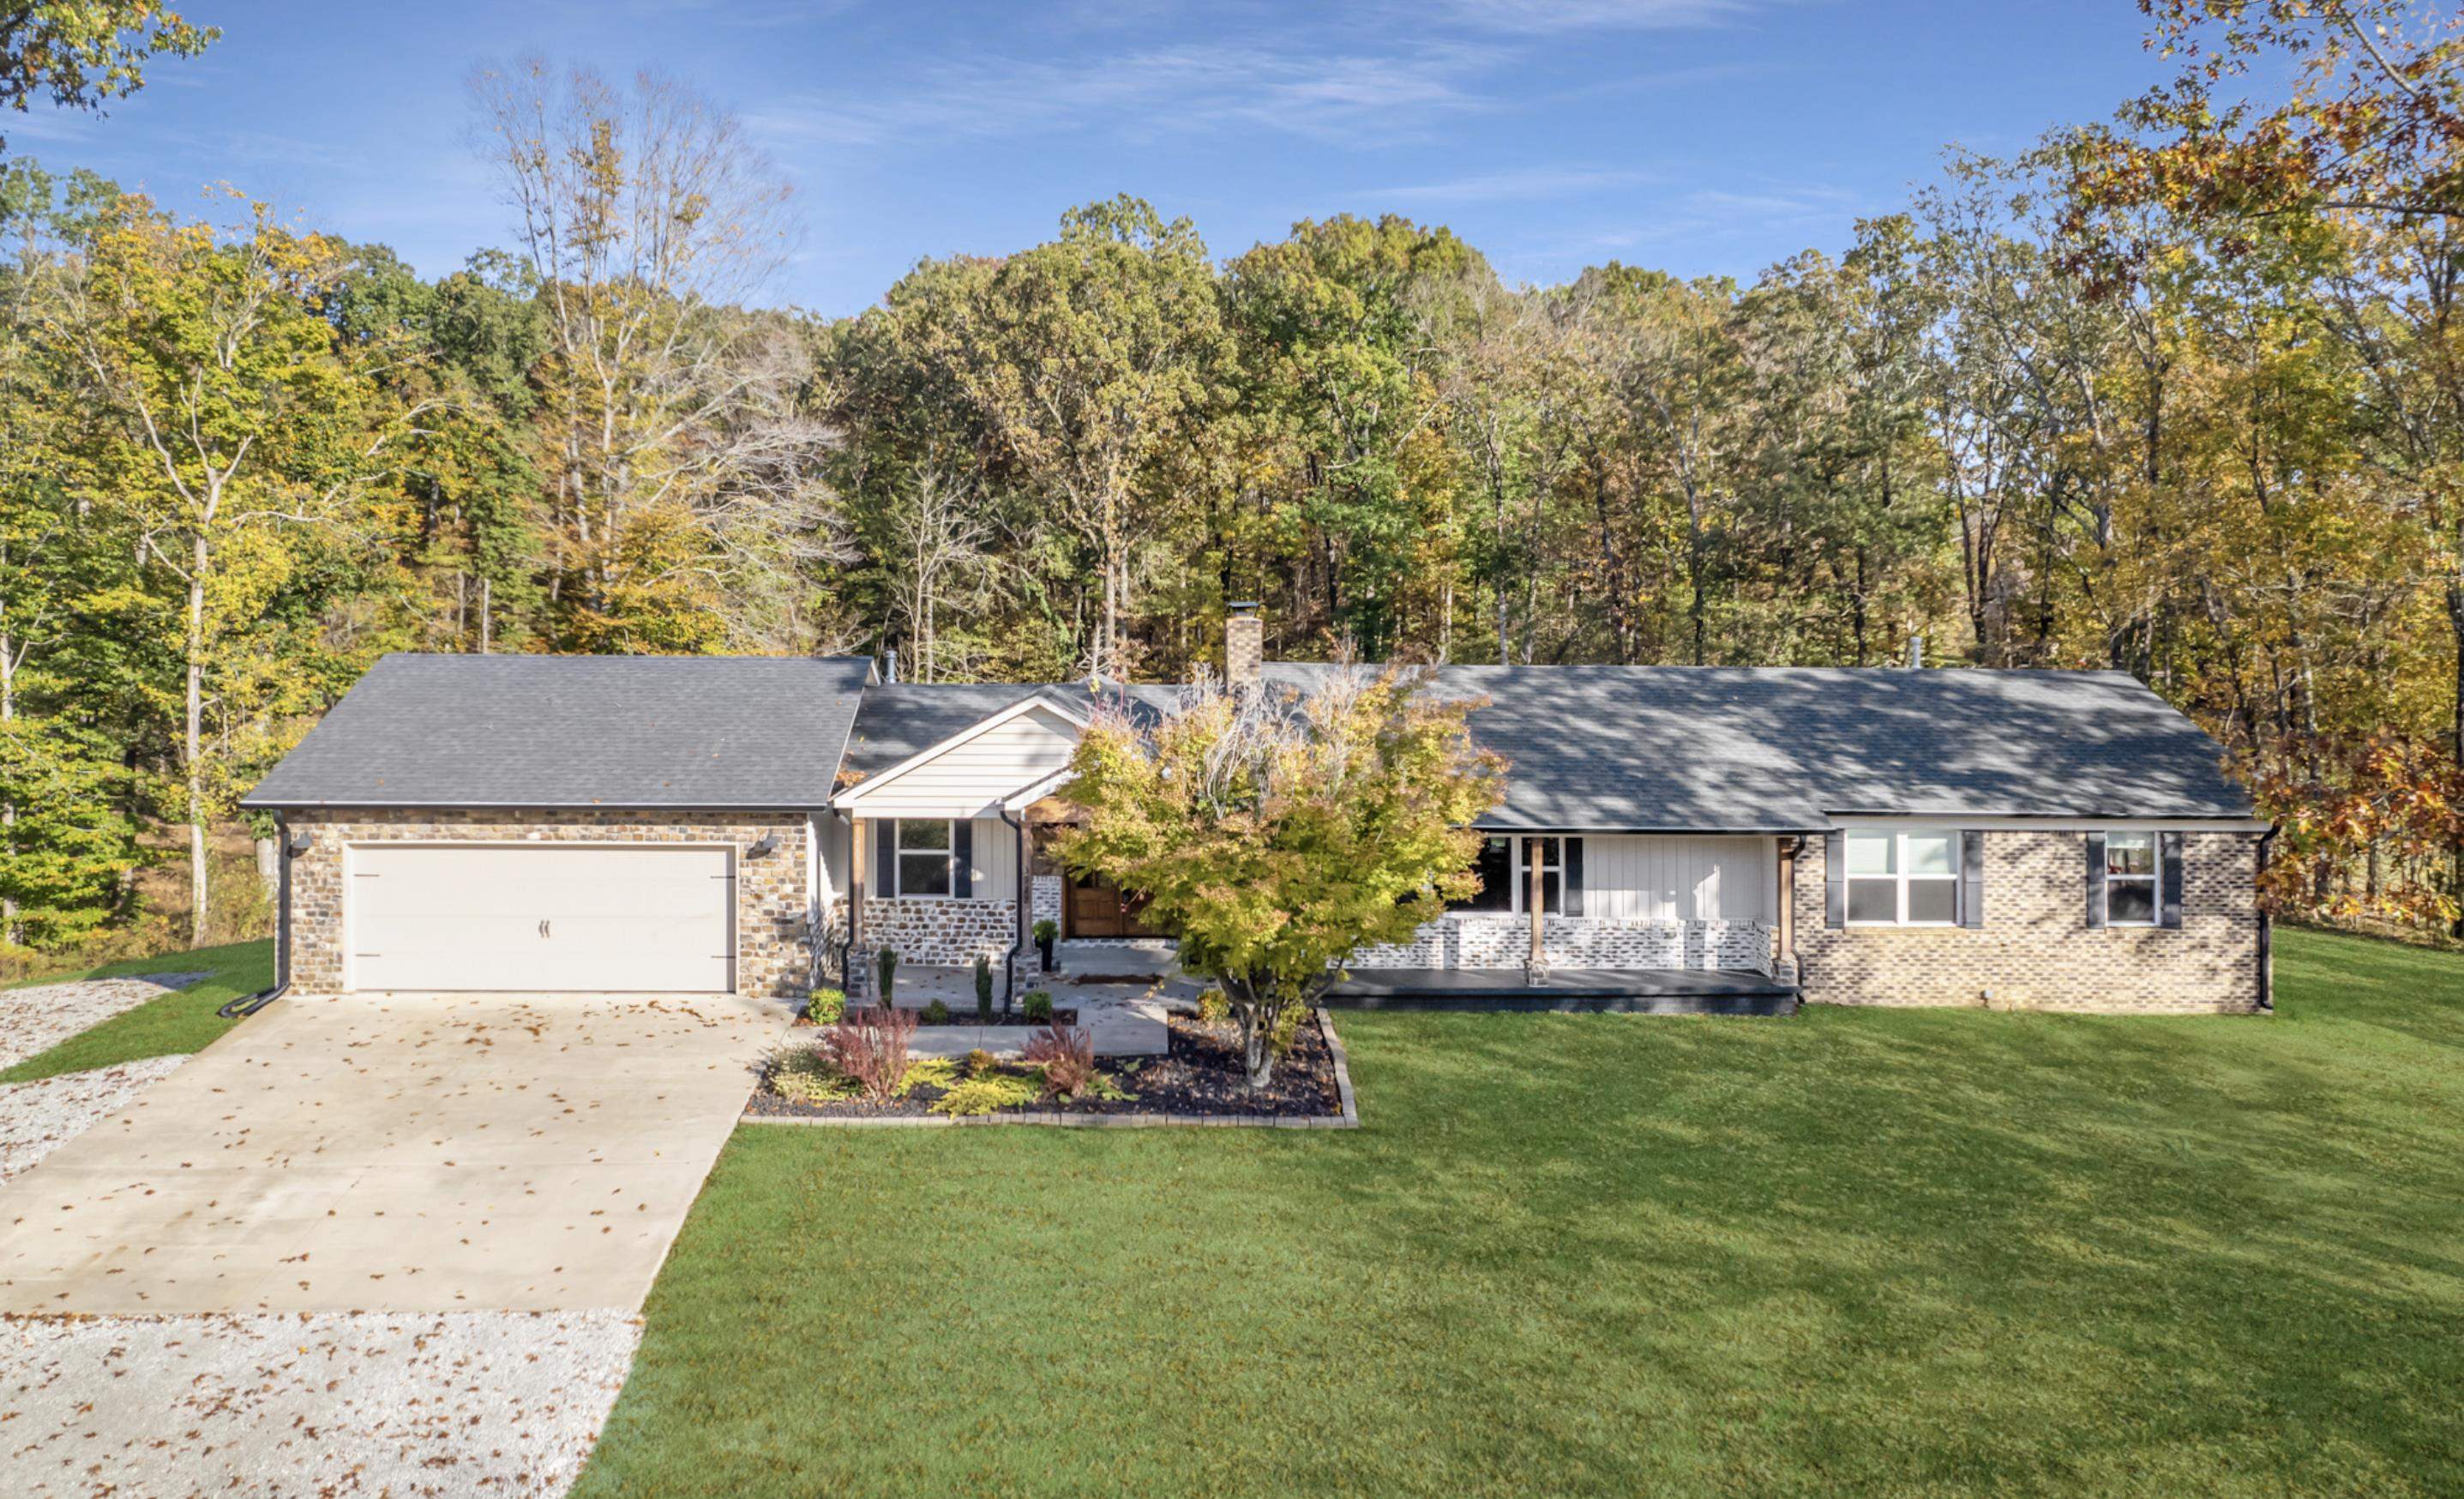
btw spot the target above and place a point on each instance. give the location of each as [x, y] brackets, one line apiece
[38, 1019]
[40, 1116]
[275, 1405]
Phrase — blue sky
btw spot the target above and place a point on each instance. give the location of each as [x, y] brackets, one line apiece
[1699, 136]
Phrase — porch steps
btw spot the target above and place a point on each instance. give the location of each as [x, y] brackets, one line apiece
[1146, 958]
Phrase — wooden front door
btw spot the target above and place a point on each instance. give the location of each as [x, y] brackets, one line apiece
[1096, 909]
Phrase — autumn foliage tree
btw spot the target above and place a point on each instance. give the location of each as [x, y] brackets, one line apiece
[1274, 831]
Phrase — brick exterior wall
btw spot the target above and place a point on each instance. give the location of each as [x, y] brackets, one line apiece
[1505, 942]
[772, 956]
[2036, 950]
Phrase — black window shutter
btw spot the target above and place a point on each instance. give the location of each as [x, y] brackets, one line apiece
[1971, 878]
[2095, 879]
[962, 858]
[1569, 880]
[1834, 879]
[885, 858]
[2169, 867]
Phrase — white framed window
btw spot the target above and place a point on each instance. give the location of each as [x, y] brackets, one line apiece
[2130, 878]
[925, 849]
[1903, 878]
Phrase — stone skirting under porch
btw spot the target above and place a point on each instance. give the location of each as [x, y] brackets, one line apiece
[936, 932]
[1484, 941]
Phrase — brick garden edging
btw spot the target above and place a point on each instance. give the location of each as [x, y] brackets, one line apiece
[1348, 1119]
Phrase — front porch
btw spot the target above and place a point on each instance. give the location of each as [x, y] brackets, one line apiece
[1643, 991]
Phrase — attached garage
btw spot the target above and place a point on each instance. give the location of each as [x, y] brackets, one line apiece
[564, 825]
[640, 918]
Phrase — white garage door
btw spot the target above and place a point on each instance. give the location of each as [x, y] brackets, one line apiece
[538, 916]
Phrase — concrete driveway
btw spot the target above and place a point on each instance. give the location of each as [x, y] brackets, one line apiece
[393, 1153]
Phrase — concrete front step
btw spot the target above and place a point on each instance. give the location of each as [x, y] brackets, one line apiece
[1141, 957]
[1118, 1034]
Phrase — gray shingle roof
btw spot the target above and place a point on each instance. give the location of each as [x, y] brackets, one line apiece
[1632, 748]
[1786, 749]
[577, 731]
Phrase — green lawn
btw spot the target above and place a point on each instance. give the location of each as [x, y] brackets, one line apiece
[1849, 1252]
[179, 1022]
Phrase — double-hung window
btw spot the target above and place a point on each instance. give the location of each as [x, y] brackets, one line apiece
[924, 853]
[2130, 878]
[1903, 878]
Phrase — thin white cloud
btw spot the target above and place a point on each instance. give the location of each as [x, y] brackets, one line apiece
[1354, 95]
[1533, 184]
[1553, 17]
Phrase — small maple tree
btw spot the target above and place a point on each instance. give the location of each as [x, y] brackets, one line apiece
[1274, 831]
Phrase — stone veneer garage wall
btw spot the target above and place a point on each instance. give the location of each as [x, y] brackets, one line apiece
[771, 955]
[2036, 950]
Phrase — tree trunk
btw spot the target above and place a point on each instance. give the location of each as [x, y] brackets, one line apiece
[1257, 1041]
[269, 865]
[11, 930]
[192, 742]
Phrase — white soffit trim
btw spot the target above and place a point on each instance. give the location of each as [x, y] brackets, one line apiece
[1035, 791]
[932, 752]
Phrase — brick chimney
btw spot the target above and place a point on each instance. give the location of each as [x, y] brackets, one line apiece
[1245, 646]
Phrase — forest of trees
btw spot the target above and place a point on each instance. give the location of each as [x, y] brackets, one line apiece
[2180, 394]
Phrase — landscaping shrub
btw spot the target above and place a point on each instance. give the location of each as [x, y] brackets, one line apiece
[808, 1076]
[936, 1013]
[983, 988]
[984, 1094]
[1038, 1005]
[1287, 1028]
[1212, 1007]
[1066, 1054]
[980, 1061]
[868, 1046]
[825, 1006]
[928, 1072]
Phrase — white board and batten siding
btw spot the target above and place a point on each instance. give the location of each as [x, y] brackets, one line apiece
[546, 918]
[1664, 878]
[974, 776]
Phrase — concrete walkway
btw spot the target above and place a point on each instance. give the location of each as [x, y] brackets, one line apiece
[1122, 999]
[398, 1153]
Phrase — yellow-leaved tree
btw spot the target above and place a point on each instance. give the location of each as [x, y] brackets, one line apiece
[1274, 831]
[232, 431]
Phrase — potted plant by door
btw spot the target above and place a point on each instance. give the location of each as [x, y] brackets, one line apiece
[1047, 933]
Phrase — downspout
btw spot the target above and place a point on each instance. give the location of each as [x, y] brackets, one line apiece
[1009, 959]
[2266, 928]
[251, 1003]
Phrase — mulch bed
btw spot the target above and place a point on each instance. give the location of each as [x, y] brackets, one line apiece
[1060, 1016]
[1200, 1077]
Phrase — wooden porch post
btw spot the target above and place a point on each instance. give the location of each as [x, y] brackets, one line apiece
[1539, 959]
[1784, 943]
